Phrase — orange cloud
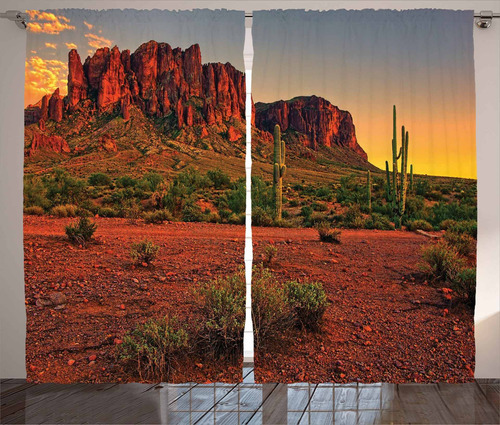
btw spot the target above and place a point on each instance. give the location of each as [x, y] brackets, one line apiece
[48, 23]
[51, 45]
[89, 26]
[43, 77]
[71, 46]
[97, 42]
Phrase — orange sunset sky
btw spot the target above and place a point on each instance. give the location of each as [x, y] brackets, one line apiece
[367, 61]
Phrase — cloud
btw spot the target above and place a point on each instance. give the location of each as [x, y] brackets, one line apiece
[89, 26]
[48, 23]
[51, 45]
[71, 46]
[43, 77]
[97, 41]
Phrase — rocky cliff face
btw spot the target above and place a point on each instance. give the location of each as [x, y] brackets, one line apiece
[156, 79]
[322, 123]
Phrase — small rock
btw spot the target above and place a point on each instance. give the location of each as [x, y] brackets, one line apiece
[92, 358]
[71, 362]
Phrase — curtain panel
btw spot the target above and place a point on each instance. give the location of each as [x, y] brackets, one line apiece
[133, 195]
[364, 196]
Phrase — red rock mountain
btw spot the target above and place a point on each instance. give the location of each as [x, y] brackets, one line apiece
[156, 79]
[317, 120]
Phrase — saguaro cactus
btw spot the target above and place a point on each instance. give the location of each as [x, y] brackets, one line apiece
[279, 171]
[397, 187]
[369, 190]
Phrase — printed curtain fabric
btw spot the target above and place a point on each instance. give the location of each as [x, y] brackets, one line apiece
[134, 195]
[363, 196]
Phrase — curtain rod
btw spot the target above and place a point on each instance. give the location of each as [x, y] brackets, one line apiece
[483, 20]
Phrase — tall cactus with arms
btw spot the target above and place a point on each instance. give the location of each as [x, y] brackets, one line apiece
[279, 171]
[397, 186]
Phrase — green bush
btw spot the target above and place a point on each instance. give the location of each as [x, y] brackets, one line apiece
[379, 222]
[99, 179]
[270, 252]
[352, 218]
[144, 252]
[463, 243]
[34, 210]
[218, 178]
[261, 217]
[465, 226]
[64, 210]
[308, 302]
[328, 234]
[441, 261]
[107, 212]
[158, 217]
[464, 285]
[271, 315]
[126, 181]
[222, 306]
[153, 180]
[419, 225]
[152, 346]
[191, 212]
[82, 232]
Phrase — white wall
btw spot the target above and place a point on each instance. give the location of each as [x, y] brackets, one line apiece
[12, 46]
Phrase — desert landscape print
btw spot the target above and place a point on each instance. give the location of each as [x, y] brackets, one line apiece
[134, 198]
[364, 200]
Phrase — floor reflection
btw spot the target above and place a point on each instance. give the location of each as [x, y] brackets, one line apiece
[249, 403]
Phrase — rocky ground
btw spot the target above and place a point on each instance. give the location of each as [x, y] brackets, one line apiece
[105, 295]
[384, 321]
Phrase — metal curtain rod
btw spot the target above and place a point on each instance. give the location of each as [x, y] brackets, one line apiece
[483, 18]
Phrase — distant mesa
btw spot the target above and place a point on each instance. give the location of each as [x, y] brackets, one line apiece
[318, 122]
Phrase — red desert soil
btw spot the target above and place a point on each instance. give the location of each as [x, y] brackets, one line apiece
[383, 323]
[107, 295]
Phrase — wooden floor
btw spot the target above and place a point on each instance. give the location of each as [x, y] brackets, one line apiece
[250, 403]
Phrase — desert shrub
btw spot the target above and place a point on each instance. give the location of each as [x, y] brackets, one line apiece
[236, 197]
[35, 193]
[293, 203]
[271, 314]
[315, 219]
[463, 243]
[218, 178]
[152, 346]
[350, 192]
[144, 251]
[465, 226]
[306, 211]
[270, 252]
[262, 195]
[107, 212]
[447, 224]
[444, 211]
[328, 234]
[99, 179]
[464, 285]
[34, 210]
[67, 210]
[352, 217]
[61, 188]
[235, 219]
[222, 307]
[422, 187]
[261, 218]
[379, 222]
[153, 180]
[441, 262]
[158, 217]
[82, 231]
[419, 225]
[324, 193]
[319, 206]
[191, 212]
[415, 208]
[308, 302]
[126, 181]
